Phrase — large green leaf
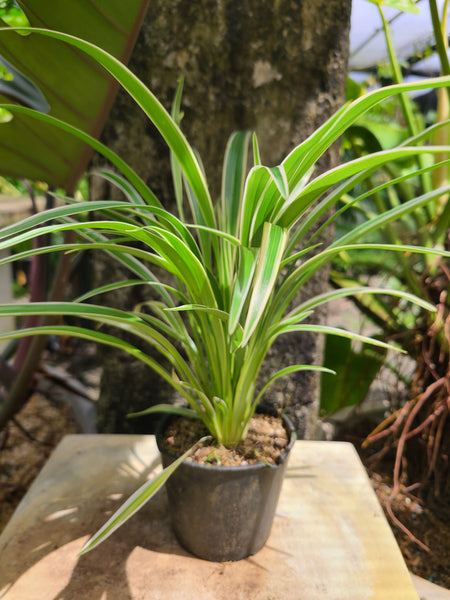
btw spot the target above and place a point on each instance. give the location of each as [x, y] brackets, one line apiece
[152, 107]
[354, 370]
[76, 90]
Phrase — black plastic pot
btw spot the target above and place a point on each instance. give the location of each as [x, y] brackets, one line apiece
[224, 513]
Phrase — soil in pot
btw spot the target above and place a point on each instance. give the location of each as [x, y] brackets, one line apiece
[222, 500]
[266, 440]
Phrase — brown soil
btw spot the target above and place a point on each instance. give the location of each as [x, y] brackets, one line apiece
[22, 455]
[426, 525]
[25, 446]
[264, 443]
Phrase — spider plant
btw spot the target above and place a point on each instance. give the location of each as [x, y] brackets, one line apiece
[236, 265]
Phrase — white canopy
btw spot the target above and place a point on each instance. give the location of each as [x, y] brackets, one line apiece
[410, 32]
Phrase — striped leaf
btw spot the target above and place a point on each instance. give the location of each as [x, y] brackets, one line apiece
[136, 501]
[267, 270]
[242, 286]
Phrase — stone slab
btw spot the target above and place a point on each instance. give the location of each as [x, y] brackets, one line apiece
[428, 590]
[330, 539]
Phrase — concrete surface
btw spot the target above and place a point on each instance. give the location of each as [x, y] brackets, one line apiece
[428, 590]
[330, 540]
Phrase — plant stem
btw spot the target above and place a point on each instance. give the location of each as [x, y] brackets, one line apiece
[439, 35]
[441, 175]
[410, 119]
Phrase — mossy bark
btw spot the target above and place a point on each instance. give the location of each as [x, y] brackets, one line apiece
[278, 68]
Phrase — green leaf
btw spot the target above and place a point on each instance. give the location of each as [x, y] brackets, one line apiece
[122, 184]
[255, 186]
[280, 179]
[320, 299]
[341, 333]
[397, 212]
[266, 274]
[183, 263]
[11, 14]
[242, 285]
[290, 285]
[168, 409]
[322, 183]
[93, 336]
[177, 176]
[265, 189]
[378, 310]
[353, 90]
[74, 88]
[233, 179]
[355, 371]
[304, 156]
[340, 194]
[256, 153]
[178, 228]
[29, 224]
[129, 322]
[215, 312]
[117, 285]
[137, 500]
[288, 371]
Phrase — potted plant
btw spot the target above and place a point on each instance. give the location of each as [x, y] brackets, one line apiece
[236, 267]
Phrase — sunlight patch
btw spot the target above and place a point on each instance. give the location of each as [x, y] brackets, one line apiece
[12, 14]
[5, 116]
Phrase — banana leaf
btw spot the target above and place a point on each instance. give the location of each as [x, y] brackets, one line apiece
[49, 75]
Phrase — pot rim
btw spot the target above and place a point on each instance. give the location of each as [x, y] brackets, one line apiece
[235, 468]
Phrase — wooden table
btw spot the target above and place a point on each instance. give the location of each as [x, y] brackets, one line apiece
[330, 540]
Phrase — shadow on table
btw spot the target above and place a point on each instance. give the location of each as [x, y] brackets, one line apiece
[86, 482]
[40, 551]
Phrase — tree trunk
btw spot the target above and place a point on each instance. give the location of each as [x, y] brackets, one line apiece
[278, 68]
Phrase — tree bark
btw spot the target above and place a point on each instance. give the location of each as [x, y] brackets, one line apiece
[278, 68]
